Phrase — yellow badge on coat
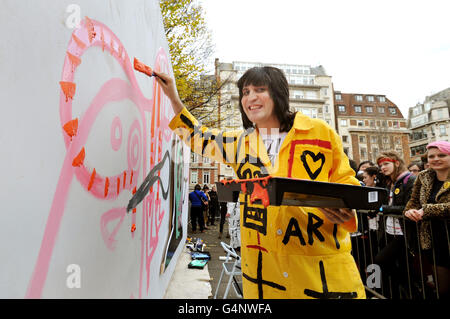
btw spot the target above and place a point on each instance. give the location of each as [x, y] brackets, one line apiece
[397, 190]
[446, 185]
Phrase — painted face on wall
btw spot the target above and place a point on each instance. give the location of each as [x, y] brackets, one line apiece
[438, 160]
[259, 106]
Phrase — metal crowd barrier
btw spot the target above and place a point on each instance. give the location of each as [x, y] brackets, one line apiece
[403, 270]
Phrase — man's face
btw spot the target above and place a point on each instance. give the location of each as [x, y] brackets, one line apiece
[259, 106]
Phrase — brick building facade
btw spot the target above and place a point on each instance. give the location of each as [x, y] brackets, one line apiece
[370, 124]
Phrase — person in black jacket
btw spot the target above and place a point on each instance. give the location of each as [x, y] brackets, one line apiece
[213, 205]
[392, 258]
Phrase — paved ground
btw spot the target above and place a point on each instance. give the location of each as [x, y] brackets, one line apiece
[210, 237]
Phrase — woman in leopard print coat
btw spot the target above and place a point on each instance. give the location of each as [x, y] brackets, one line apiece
[419, 200]
[429, 205]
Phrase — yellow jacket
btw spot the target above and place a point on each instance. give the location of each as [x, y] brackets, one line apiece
[287, 251]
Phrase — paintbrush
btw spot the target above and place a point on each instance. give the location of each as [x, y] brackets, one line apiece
[141, 67]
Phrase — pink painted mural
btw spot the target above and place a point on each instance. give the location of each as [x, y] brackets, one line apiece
[93, 188]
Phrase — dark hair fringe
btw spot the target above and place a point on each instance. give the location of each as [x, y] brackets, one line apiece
[278, 86]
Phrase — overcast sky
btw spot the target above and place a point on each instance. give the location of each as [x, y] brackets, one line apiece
[397, 48]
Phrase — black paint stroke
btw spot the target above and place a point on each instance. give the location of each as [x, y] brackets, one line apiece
[148, 182]
[208, 137]
[338, 245]
[260, 281]
[313, 228]
[241, 140]
[251, 167]
[315, 158]
[254, 217]
[293, 229]
[327, 294]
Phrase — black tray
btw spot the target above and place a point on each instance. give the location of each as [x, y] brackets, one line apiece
[299, 192]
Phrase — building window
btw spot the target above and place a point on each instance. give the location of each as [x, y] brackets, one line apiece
[374, 139]
[362, 139]
[372, 123]
[363, 153]
[298, 95]
[343, 122]
[358, 109]
[374, 153]
[194, 177]
[312, 95]
[341, 108]
[370, 98]
[193, 157]
[358, 97]
[360, 123]
[398, 140]
[369, 109]
[206, 160]
[312, 113]
[395, 124]
[380, 109]
[338, 97]
[382, 99]
[345, 138]
[392, 110]
[442, 129]
[205, 177]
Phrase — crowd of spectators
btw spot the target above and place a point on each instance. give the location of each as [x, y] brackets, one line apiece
[408, 236]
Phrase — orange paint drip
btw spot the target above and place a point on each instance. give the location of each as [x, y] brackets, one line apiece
[80, 43]
[118, 185]
[133, 228]
[131, 178]
[74, 60]
[120, 51]
[91, 180]
[106, 186]
[124, 178]
[141, 67]
[79, 159]
[134, 190]
[90, 29]
[134, 210]
[260, 193]
[102, 38]
[71, 128]
[111, 44]
[68, 88]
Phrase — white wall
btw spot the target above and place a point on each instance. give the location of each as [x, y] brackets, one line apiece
[49, 218]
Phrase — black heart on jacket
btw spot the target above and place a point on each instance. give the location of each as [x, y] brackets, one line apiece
[315, 158]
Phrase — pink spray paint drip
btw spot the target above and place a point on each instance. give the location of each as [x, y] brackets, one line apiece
[113, 90]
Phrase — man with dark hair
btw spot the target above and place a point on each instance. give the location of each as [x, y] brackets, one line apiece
[195, 197]
[287, 251]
